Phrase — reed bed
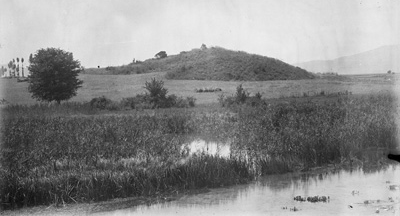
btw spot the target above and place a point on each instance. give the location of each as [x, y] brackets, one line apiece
[65, 159]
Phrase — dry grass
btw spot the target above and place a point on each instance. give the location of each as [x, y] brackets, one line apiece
[116, 87]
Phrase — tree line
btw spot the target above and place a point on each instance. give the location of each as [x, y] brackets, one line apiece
[14, 68]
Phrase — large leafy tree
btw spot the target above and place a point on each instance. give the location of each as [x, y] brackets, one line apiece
[54, 75]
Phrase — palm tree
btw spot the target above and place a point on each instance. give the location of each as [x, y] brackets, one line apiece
[13, 67]
[22, 61]
[30, 58]
[9, 68]
[17, 67]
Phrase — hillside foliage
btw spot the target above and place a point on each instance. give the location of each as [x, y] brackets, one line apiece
[215, 63]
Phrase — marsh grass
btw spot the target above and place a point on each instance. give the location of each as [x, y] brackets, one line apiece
[61, 158]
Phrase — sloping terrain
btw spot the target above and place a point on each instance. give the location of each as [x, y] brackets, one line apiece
[379, 60]
[214, 64]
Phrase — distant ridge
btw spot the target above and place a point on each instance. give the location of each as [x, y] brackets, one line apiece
[216, 63]
[378, 60]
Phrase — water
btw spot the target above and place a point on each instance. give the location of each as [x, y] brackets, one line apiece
[348, 192]
[200, 146]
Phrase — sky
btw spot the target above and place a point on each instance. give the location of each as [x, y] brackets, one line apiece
[114, 32]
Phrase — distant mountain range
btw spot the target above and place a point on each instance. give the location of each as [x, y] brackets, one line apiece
[375, 61]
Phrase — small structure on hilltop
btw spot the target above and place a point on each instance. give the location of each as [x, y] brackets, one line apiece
[161, 54]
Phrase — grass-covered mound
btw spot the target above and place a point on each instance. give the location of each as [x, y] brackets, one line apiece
[214, 64]
[222, 64]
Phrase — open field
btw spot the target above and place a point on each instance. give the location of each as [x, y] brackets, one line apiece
[116, 87]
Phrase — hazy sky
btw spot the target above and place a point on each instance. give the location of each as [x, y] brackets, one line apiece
[113, 32]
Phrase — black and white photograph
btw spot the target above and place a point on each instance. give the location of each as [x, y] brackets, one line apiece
[199, 107]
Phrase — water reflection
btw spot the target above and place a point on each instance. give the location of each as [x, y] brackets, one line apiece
[200, 146]
[351, 192]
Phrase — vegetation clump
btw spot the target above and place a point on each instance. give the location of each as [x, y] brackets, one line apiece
[54, 75]
[155, 97]
[241, 97]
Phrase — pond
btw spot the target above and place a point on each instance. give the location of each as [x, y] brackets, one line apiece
[200, 146]
[350, 192]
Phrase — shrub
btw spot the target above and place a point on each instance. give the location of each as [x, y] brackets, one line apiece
[156, 91]
[241, 94]
[100, 102]
[240, 97]
[258, 95]
[129, 102]
[191, 101]
[254, 101]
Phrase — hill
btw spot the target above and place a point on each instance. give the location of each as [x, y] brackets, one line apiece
[375, 61]
[214, 64]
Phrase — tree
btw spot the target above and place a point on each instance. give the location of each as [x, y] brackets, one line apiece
[30, 58]
[157, 92]
[10, 64]
[203, 47]
[161, 54]
[53, 75]
[13, 67]
[389, 72]
[17, 67]
[22, 62]
[241, 94]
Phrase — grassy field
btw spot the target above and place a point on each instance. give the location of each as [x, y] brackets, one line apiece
[72, 153]
[116, 87]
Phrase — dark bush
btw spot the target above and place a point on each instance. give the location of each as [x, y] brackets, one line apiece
[241, 94]
[191, 101]
[157, 92]
[101, 103]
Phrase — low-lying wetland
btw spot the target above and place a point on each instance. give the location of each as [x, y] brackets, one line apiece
[61, 159]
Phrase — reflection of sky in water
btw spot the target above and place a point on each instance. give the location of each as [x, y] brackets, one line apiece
[268, 195]
[199, 146]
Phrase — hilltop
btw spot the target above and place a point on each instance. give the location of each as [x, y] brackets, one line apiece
[213, 63]
[379, 60]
